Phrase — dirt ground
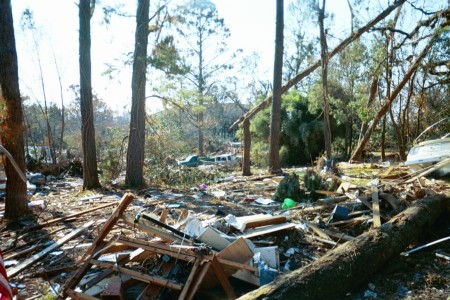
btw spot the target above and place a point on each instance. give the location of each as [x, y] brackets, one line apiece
[420, 275]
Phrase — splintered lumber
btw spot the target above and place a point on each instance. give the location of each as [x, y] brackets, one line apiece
[54, 221]
[138, 275]
[106, 228]
[238, 252]
[223, 279]
[376, 208]
[264, 221]
[28, 262]
[266, 230]
[350, 264]
[332, 200]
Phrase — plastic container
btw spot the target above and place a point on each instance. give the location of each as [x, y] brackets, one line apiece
[288, 203]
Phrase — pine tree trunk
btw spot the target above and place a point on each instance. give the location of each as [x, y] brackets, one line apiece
[11, 131]
[275, 125]
[247, 146]
[135, 156]
[326, 103]
[90, 175]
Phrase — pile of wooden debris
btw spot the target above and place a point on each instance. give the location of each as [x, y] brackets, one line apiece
[174, 244]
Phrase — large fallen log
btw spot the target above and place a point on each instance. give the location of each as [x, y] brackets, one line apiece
[350, 264]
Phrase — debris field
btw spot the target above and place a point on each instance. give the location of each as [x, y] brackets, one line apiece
[238, 237]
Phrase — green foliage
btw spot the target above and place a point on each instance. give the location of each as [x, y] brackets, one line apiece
[166, 58]
[167, 175]
[284, 156]
[260, 154]
[313, 182]
[111, 152]
[289, 187]
[301, 132]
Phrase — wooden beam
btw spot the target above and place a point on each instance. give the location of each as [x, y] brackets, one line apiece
[190, 279]
[106, 228]
[264, 221]
[376, 208]
[266, 229]
[57, 220]
[183, 254]
[28, 262]
[163, 217]
[198, 280]
[223, 279]
[188, 254]
[138, 275]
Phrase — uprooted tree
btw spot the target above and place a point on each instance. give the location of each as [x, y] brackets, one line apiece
[353, 262]
[443, 17]
[292, 82]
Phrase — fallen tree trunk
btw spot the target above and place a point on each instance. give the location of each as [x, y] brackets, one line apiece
[350, 264]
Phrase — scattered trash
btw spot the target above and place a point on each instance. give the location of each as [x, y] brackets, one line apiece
[340, 213]
[160, 243]
[265, 201]
[288, 203]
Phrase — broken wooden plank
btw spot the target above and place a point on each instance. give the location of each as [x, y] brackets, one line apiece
[376, 208]
[376, 246]
[190, 279]
[266, 230]
[186, 253]
[138, 275]
[198, 280]
[339, 236]
[163, 217]
[264, 221]
[317, 230]
[325, 241]
[106, 228]
[179, 234]
[57, 220]
[394, 202]
[28, 250]
[183, 254]
[223, 279]
[350, 221]
[28, 262]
